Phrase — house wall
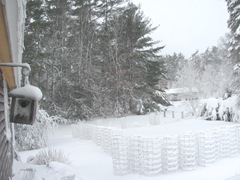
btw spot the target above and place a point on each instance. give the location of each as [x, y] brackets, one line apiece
[6, 148]
[12, 14]
[183, 96]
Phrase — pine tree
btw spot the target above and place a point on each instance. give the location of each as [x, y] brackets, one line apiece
[91, 58]
[234, 25]
[36, 27]
[174, 63]
[129, 49]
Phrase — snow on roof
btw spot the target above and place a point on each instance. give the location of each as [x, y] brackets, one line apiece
[15, 19]
[27, 91]
[181, 90]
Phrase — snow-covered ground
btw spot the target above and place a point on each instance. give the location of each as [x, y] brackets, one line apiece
[90, 162]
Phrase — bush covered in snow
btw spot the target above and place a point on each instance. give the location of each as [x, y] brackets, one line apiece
[34, 136]
[191, 107]
[219, 109]
[46, 156]
[59, 120]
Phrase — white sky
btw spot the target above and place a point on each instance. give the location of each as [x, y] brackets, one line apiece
[186, 25]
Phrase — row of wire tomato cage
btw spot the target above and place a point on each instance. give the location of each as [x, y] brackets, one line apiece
[152, 156]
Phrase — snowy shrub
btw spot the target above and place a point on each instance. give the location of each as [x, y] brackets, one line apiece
[191, 107]
[220, 109]
[59, 120]
[44, 157]
[28, 174]
[69, 177]
[34, 136]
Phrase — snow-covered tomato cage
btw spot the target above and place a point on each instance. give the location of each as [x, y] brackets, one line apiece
[24, 99]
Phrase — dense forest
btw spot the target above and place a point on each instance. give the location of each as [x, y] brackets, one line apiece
[96, 58]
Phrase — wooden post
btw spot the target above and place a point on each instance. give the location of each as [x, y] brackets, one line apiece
[172, 114]
[164, 113]
[182, 115]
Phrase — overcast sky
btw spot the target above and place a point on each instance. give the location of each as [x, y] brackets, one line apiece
[186, 25]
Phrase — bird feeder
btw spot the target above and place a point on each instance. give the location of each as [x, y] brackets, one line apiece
[24, 99]
[24, 104]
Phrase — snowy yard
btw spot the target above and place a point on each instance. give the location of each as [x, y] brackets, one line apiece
[90, 162]
[99, 59]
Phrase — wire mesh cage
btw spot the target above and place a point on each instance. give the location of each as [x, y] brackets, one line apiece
[207, 148]
[151, 156]
[188, 151]
[170, 154]
[120, 157]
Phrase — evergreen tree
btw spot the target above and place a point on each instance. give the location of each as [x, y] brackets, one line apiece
[36, 27]
[174, 63]
[90, 58]
[234, 25]
[130, 48]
